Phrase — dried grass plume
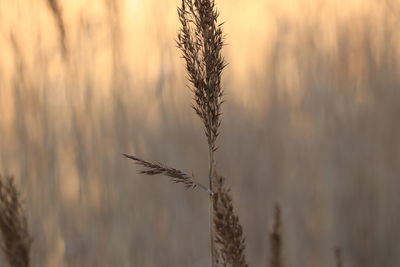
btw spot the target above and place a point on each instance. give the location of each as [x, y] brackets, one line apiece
[16, 241]
[228, 230]
[201, 40]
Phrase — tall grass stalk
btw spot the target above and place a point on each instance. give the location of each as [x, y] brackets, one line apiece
[200, 40]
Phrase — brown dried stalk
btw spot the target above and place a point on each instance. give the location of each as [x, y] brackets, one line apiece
[200, 40]
[177, 176]
[276, 239]
[338, 257]
[16, 241]
[228, 231]
[55, 8]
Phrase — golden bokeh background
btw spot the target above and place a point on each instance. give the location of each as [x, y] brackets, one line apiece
[311, 121]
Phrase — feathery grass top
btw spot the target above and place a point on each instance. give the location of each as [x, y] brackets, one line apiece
[200, 40]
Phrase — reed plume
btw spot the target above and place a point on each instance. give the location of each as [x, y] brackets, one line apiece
[16, 241]
[228, 231]
[200, 40]
[275, 238]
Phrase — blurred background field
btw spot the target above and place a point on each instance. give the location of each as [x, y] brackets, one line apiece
[311, 120]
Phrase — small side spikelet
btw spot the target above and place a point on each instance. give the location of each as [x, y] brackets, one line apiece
[16, 241]
[228, 231]
[176, 176]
